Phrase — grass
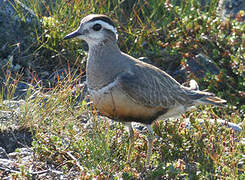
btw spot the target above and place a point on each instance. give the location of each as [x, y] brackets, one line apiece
[71, 136]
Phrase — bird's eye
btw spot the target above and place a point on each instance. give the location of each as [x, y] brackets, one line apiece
[97, 27]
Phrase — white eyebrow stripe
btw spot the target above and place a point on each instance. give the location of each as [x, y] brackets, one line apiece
[105, 25]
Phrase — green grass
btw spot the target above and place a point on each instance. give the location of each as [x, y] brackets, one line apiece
[98, 149]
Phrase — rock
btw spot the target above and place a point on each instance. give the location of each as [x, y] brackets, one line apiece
[10, 117]
[6, 162]
[10, 140]
[12, 105]
[21, 152]
[198, 66]
[7, 117]
[16, 39]
[221, 122]
[21, 158]
[206, 64]
[16, 35]
[3, 154]
[232, 8]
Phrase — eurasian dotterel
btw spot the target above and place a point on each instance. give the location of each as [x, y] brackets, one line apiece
[126, 89]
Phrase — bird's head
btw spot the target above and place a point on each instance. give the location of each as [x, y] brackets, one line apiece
[94, 29]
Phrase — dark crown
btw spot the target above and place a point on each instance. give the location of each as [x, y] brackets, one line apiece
[102, 18]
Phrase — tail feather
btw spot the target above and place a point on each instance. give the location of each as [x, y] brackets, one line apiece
[210, 98]
[203, 97]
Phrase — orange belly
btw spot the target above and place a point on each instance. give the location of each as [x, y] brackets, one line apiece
[118, 106]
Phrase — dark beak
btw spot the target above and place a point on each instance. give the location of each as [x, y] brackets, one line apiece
[72, 35]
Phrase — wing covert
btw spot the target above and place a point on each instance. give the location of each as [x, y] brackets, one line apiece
[151, 87]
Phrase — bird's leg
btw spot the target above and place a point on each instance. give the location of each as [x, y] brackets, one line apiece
[131, 139]
[149, 144]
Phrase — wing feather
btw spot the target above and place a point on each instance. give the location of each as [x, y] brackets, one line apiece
[150, 86]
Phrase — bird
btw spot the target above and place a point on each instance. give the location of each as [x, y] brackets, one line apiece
[127, 90]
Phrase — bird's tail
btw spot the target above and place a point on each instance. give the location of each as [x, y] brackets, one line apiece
[209, 98]
[203, 97]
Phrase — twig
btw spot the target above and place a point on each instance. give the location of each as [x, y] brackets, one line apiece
[77, 162]
[8, 169]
